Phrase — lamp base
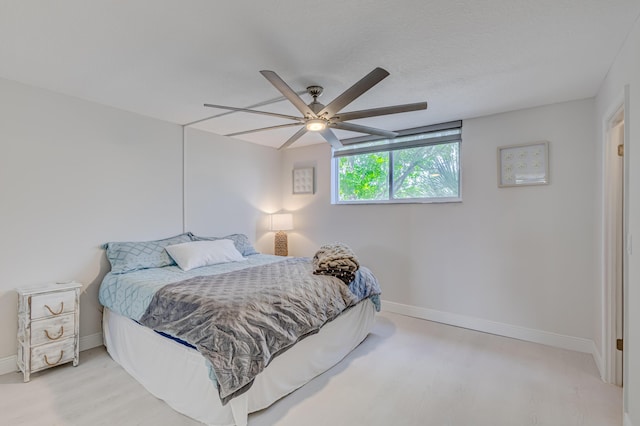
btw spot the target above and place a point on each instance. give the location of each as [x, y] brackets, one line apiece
[281, 244]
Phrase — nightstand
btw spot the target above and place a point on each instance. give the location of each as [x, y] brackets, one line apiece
[48, 323]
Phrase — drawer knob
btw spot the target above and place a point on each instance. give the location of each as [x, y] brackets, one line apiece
[53, 363]
[60, 333]
[55, 313]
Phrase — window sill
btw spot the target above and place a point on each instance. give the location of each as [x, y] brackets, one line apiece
[402, 201]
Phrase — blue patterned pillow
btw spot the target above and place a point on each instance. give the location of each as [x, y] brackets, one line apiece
[131, 256]
[241, 242]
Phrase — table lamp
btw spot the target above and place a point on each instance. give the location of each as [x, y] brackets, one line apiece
[281, 222]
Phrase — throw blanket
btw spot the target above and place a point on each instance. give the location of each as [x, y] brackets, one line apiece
[241, 320]
[337, 260]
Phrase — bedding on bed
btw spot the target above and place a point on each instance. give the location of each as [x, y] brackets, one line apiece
[238, 339]
[129, 294]
[241, 320]
[128, 256]
[336, 259]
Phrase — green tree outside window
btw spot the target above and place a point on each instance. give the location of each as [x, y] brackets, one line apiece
[424, 172]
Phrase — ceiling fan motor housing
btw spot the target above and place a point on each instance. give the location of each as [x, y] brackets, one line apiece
[315, 106]
[315, 91]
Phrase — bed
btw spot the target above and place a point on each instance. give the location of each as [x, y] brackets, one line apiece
[153, 323]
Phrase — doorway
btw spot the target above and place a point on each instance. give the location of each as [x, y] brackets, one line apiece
[614, 176]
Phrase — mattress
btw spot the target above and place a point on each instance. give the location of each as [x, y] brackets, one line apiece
[179, 375]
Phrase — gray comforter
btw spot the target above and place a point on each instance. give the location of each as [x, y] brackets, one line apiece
[241, 320]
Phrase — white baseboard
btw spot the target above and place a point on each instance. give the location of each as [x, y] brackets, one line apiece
[522, 333]
[627, 420]
[9, 364]
[599, 359]
[91, 341]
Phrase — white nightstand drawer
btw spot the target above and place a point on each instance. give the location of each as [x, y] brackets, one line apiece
[46, 356]
[52, 329]
[48, 324]
[53, 304]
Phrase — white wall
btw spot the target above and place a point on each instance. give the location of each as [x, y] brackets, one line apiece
[626, 70]
[74, 175]
[230, 187]
[520, 257]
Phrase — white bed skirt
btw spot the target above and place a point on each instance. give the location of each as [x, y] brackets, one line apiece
[178, 374]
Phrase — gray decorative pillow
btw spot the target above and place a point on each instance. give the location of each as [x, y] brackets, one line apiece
[134, 255]
[241, 241]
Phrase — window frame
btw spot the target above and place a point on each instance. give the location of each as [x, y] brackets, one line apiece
[335, 193]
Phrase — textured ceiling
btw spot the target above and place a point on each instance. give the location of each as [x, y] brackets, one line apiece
[164, 59]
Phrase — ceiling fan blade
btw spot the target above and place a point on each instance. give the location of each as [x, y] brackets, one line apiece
[353, 92]
[297, 135]
[364, 129]
[331, 138]
[374, 112]
[254, 111]
[259, 104]
[264, 128]
[288, 93]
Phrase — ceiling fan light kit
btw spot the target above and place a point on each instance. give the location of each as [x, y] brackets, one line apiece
[319, 118]
[316, 124]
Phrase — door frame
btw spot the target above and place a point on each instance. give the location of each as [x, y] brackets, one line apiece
[613, 365]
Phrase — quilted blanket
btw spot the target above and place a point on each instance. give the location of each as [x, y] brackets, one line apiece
[241, 320]
[336, 259]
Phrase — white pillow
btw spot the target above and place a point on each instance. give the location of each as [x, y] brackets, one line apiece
[202, 253]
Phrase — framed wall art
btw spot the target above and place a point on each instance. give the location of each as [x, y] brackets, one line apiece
[526, 164]
[303, 181]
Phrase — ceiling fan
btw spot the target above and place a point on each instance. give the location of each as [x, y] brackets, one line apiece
[319, 118]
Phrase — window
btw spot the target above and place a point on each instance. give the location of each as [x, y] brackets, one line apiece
[420, 165]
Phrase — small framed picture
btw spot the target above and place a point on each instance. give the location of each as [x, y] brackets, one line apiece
[526, 164]
[303, 181]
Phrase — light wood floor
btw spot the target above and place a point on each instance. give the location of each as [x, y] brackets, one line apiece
[407, 372]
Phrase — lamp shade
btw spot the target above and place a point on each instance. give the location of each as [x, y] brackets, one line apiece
[282, 222]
